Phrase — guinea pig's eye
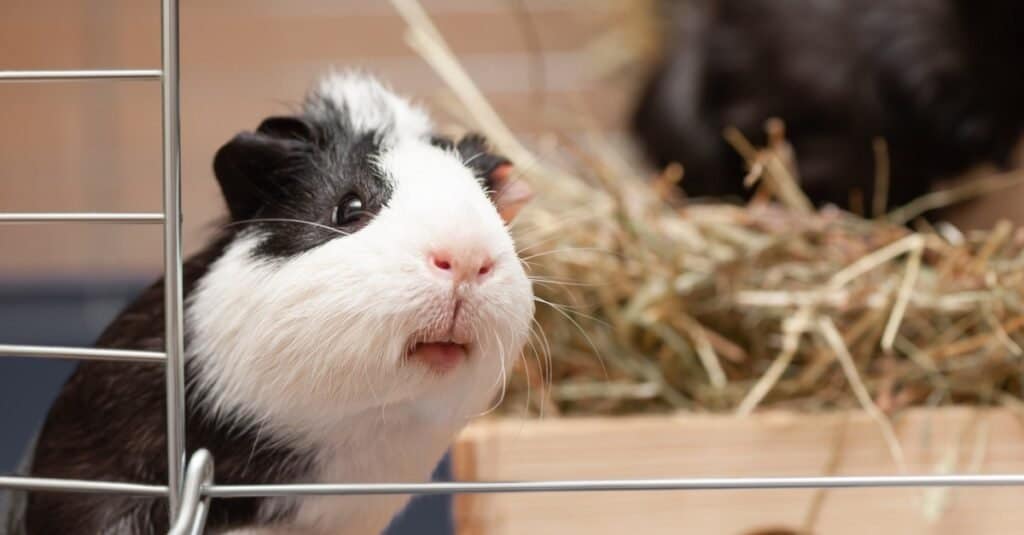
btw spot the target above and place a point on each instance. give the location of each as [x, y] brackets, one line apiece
[349, 211]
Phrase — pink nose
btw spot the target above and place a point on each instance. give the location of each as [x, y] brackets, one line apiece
[467, 267]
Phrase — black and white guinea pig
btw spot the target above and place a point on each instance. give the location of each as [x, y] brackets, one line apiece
[940, 80]
[364, 303]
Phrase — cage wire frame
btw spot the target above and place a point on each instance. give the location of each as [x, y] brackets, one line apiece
[190, 487]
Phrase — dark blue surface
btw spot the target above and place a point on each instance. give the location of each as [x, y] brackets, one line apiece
[73, 314]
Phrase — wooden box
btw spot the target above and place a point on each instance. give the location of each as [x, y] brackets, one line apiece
[936, 441]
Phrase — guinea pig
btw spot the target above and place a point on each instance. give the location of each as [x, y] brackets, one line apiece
[939, 80]
[363, 304]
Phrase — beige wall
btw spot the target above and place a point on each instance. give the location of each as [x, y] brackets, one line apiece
[94, 146]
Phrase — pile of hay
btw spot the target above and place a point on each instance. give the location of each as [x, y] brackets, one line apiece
[727, 308]
[648, 302]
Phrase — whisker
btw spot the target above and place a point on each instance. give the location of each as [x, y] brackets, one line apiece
[561, 282]
[582, 331]
[546, 346]
[530, 266]
[534, 243]
[503, 377]
[568, 250]
[558, 223]
[575, 310]
[529, 386]
[469, 160]
[549, 359]
[501, 354]
[541, 357]
[287, 220]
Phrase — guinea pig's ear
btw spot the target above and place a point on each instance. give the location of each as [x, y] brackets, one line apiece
[251, 167]
[511, 194]
[508, 193]
[288, 127]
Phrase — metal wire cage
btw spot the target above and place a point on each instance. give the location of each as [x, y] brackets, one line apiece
[190, 486]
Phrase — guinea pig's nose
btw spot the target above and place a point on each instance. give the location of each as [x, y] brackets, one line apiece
[467, 266]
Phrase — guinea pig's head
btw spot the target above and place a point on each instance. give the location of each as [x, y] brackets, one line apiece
[370, 263]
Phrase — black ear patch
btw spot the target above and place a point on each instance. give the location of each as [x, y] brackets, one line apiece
[255, 167]
[476, 154]
[508, 192]
[290, 176]
[289, 127]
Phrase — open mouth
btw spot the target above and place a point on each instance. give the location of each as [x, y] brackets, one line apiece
[438, 356]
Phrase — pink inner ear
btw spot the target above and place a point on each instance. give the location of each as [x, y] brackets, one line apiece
[510, 195]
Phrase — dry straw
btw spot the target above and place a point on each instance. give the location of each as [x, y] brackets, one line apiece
[649, 302]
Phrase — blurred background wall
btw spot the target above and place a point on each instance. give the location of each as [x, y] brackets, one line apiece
[95, 146]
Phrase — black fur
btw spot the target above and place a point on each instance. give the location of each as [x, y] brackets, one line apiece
[940, 80]
[476, 153]
[299, 168]
[109, 423]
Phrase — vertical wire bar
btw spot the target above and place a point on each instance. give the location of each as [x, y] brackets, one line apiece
[175, 371]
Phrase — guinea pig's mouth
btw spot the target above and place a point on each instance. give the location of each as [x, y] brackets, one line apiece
[439, 356]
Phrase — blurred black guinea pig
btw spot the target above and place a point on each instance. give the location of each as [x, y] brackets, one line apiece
[363, 304]
[940, 80]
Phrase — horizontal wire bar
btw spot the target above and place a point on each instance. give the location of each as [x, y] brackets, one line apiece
[243, 491]
[80, 353]
[82, 217]
[99, 74]
[763, 483]
[81, 486]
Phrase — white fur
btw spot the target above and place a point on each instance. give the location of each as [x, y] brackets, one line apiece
[313, 347]
[369, 106]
